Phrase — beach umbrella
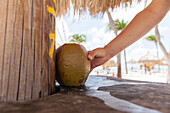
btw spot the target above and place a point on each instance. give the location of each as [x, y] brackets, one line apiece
[132, 61]
[111, 63]
[95, 7]
[163, 61]
[148, 57]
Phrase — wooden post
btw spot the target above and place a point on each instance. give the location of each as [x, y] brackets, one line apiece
[27, 68]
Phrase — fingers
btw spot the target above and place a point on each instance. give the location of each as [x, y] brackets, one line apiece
[99, 52]
[97, 57]
[92, 54]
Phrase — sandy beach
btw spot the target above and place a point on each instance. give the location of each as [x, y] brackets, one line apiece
[160, 77]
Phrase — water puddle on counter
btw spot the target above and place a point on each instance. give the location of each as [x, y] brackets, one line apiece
[90, 89]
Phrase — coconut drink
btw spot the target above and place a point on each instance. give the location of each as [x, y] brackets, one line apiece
[72, 65]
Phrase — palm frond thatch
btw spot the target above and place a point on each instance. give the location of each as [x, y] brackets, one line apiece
[95, 7]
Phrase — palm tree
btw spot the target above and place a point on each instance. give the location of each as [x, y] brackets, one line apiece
[120, 25]
[153, 39]
[113, 27]
[167, 56]
[78, 38]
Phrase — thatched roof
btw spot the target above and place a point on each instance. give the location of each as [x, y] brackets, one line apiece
[132, 61]
[164, 60]
[111, 63]
[95, 7]
[148, 57]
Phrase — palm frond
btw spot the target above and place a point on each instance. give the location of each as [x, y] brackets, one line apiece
[120, 25]
[78, 38]
[151, 38]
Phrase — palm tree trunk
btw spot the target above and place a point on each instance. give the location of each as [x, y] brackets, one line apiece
[157, 35]
[112, 25]
[168, 76]
[119, 73]
[125, 62]
[157, 55]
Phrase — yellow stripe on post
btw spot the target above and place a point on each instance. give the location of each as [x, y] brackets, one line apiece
[52, 37]
[51, 10]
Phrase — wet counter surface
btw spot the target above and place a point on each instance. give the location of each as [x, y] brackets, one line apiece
[100, 94]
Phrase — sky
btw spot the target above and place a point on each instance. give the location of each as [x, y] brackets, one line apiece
[95, 31]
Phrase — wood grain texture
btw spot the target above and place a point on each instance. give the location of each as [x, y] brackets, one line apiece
[8, 49]
[51, 63]
[11, 78]
[25, 50]
[18, 49]
[37, 18]
[3, 19]
[45, 51]
[30, 65]
[26, 70]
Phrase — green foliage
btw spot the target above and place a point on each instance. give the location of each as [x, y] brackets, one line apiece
[151, 38]
[78, 38]
[120, 25]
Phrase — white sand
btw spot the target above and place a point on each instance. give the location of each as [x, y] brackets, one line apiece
[141, 76]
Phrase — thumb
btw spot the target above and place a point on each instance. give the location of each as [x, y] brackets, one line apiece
[92, 54]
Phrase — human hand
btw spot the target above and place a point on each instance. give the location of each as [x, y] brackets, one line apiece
[97, 57]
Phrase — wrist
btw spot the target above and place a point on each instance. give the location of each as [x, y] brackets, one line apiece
[107, 53]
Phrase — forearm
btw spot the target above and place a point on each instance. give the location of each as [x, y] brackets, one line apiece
[138, 27]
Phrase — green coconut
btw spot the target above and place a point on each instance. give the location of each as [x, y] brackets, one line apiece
[72, 65]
